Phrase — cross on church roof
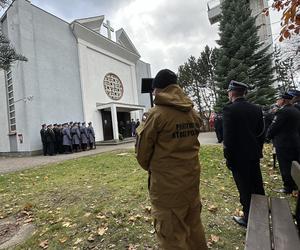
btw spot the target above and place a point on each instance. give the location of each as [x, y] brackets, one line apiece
[109, 28]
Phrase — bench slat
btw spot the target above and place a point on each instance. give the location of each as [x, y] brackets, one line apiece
[296, 173]
[258, 229]
[284, 230]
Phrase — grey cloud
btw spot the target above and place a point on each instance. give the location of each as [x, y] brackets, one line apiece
[73, 9]
[181, 19]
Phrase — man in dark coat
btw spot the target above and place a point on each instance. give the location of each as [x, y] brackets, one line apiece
[43, 138]
[284, 131]
[57, 138]
[76, 137]
[67, 139]
[91, 134]
[84, 136]
[218, 124]
[50, 138]
[296, 98]
[243, 135]
[132, 128]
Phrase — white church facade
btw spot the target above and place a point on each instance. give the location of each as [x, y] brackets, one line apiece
[73, 73]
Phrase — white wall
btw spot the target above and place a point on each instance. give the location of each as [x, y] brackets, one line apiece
[51, 74]
[95, 63]
[4, 141]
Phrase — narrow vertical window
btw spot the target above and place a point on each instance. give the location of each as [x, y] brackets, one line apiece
[10, 102]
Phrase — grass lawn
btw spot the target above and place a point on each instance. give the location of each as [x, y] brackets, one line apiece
[101, 202]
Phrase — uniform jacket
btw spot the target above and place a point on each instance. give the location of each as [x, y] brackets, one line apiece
[168, 148]
[243, 131]
[50, 136]
[284, 129]
[67, 139]
[84, 135]
[91, 134]
[43, 135]
[75, 133]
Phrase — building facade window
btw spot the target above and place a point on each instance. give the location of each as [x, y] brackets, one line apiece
[10, 102]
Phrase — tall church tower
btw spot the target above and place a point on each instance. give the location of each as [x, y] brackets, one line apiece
[257, 7]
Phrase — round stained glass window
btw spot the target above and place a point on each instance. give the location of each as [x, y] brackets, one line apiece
[113, 86]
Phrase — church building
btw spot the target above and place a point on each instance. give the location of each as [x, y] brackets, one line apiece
[74, 73]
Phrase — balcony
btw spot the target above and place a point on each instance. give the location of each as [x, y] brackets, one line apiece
[214, 10]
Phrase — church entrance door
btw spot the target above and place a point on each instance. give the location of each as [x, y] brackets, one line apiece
[124, 124]
[107, 125]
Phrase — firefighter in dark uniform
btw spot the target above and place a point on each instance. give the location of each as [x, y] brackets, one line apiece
[296, 102]
[243, 135]
[168, 148]
[218, 124]
[284, 131]
[50, 139]
[296, 98]
[43, 138]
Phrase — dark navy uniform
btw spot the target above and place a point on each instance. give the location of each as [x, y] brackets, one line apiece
[284, 131]
[43, 138]
[243, 134]
[218, 123]
[296, 101]
[50, 139]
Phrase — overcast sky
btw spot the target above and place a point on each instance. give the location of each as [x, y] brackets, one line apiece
[165, 32]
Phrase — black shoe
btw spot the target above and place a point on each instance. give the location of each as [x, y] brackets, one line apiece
[240, 220]
[283, 190]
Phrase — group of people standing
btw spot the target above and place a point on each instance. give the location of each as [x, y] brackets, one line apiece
[67, 138]
[128, 128]
[245, 130]
[167, 148]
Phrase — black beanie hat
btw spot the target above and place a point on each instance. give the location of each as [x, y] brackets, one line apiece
[164, 78]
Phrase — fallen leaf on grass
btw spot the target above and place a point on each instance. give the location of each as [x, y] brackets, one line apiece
[66, 224]
[87, 215]
[100, 216]
[101, 230]
[63, 240]
[44, 244]
[91, 238]
[148, 209]
[212, 208]
[122, 154]
[131, 247]
[78, 240]
[214, 238]
[28, 220]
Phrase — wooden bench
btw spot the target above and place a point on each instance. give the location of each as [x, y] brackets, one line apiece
[271, 225]
[296, 176]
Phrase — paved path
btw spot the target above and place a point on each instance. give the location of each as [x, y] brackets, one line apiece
[208, 139]
[13, 164]
[10, 164]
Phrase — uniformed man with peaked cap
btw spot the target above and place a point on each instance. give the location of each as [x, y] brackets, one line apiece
[296, 97]
[243, 135]
[284, 132]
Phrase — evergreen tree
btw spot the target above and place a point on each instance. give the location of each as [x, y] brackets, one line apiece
[196, 77]
[284, 70]
[241, 55]
[8, 54]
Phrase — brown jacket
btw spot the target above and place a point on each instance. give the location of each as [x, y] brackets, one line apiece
[168, 148]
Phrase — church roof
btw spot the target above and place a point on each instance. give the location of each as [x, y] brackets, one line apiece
[123, 39]
[93, 23]
[123, 47]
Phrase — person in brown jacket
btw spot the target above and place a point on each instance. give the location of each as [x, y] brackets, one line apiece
[168, 149]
